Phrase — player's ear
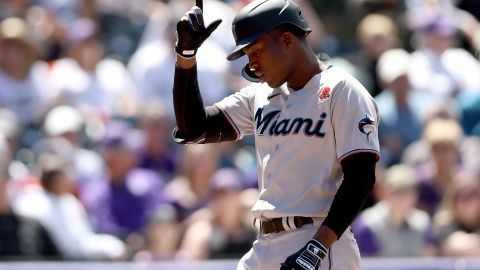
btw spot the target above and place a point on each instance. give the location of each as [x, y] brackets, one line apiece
[287, 39]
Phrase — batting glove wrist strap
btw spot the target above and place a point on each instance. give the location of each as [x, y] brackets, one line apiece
[187, 54]
[192, 32]
[308, 258]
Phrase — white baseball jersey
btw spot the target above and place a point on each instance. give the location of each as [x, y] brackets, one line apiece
[301, 137]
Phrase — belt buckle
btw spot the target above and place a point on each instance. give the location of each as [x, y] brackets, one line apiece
[272, 225]
[298, 221]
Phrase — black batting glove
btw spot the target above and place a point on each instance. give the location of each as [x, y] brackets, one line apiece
[191, 32]
[310, 257]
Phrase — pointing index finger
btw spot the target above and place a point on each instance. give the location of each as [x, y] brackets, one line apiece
[199, 3]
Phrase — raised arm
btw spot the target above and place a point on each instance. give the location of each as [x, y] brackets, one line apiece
[195, 123]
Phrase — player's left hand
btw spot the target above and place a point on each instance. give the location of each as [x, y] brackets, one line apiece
[192, 31]
[308, 258]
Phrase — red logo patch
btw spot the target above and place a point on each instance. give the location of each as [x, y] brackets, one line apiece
[325, 94]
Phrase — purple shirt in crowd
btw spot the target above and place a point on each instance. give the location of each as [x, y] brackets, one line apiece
[122, 208]
[165, 165]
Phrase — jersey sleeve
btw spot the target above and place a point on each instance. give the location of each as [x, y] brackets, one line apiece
[238, 110]
[355, 119]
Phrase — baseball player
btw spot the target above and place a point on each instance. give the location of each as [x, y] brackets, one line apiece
[315, 131]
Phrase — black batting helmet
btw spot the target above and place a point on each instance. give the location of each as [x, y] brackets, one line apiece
[262, 16]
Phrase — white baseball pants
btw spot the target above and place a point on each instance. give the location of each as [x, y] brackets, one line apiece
[269, 251]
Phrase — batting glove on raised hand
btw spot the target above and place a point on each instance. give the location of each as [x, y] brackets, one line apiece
[308, 258]
[191, 31]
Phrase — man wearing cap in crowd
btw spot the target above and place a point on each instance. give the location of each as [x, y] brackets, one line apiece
[403, 109]
[24, 89]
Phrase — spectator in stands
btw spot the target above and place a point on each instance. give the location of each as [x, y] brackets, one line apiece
[418, 153]
[469, 106]
[470, 149]
[159, 153]
[443, 137]
[21, 237]
[458, 220]
[162, 233]
[22, 77]
[394, 227]
[222, 229]
[64, 217]
[68, 123]
[464, 14]
[437, 58]
[121, 24]
[403, 109]
[189, 190]
[10, 128]
[376, 33]
[21, 160]
[83, 78]
[69, 10]
[121, 202]
[391, 8]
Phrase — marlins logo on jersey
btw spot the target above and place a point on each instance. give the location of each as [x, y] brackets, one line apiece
[366, 126]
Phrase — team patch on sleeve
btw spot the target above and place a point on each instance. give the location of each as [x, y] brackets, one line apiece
[367, 126]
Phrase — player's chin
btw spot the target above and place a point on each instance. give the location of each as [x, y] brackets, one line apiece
[273, 84]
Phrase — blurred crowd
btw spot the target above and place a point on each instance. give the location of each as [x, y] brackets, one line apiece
[89, 170]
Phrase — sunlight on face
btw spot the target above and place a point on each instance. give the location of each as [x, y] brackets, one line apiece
[268, 57]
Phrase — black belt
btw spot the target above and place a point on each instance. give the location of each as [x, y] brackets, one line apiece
[276, 225]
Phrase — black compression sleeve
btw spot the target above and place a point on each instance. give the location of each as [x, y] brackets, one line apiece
[358, 182]
[188, 104]
[193, 120]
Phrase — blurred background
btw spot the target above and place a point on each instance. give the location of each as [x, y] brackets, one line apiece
[89, 171]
